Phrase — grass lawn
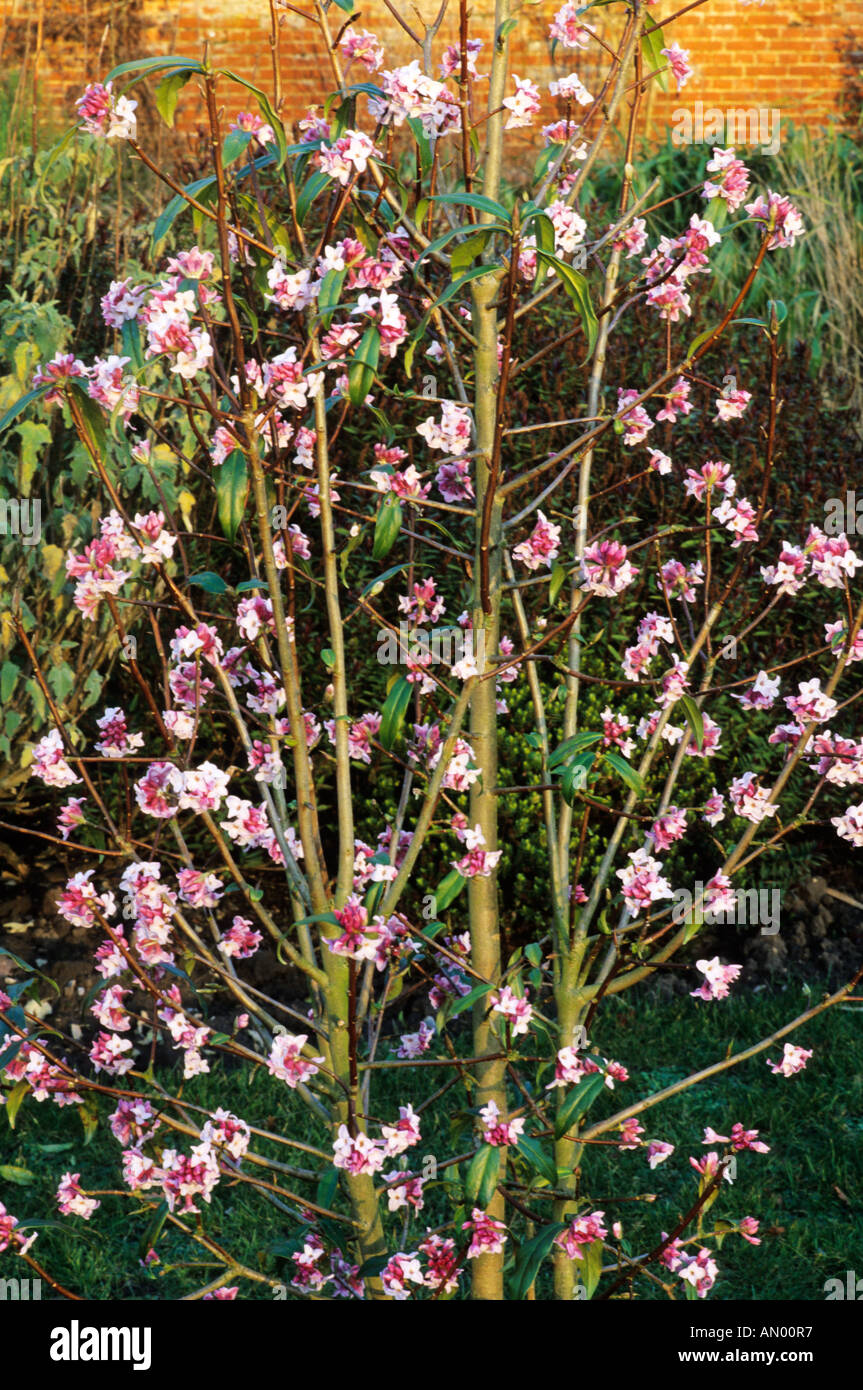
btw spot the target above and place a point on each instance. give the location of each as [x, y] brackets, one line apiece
[807, 1192]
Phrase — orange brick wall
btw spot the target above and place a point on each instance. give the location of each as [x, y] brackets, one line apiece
[801, 58]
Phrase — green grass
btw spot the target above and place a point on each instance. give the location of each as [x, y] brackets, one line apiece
[813, 1123]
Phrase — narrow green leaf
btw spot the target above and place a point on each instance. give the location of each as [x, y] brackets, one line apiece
[695, 718]
[395, 708]
[652, 44]
[209, 581]
[364, 363]
[448, 890]
[579, 1100]
[482, 1176]
[21, 405]
[531, 1256]
[232, 491]
[387, 526]
[168, 91]
[625, 771]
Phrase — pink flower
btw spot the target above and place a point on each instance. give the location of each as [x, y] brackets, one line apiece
[731, 404]
[750, 799]
[362, 46]
[105, 116]
[542, 545]
[677, 401]
[717, 979]
[499, 1132]
[287, 1062]
[634, 417]
[581, 1232]
[793, 1060]
[700, 1271]
[399, 1272]
[488, 1236]
[788, 224]
[678, 61]
[240, 941]
[524, 105]
[733, 181]
[518, 1010]
[49, 763]
[71, 1201]
[567, 29]
[658, 1151]
[606, 569]
[358, 1155]
[642, 882]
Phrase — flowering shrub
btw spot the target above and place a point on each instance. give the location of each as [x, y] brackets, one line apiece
[233, 800]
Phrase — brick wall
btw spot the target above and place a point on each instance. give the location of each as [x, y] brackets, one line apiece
[801, 58]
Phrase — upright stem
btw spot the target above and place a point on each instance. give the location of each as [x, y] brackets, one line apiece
[483, 892]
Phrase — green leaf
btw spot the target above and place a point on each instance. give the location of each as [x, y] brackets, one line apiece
[235, 144]
[468, 1000]
[576, 287]
[652, 44]
[588, 1269]
[394, 711]
[363, 365]
[168, 92]
[131, 335]
[697, 342]
[11, 1173]
[579, 1099]
[544, 232]
[209, 581]
[448, 890]
[482, 1176]
[248, 584]
[474, 200]
[172, 210]
[154, 1230]
[149, 65]
[537, 1158]
[695, 719]
[313, 185]
[572, 745]
[531, 1256]
[13, 1101]
[232, 491]
[387, 526]
[9, 674]
[11, 1052]
[625, 771]
[267, 112]
[558, 574]
[374, 585]
[330, 292]
[465, 254]
[20, 405]
[574, 777]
